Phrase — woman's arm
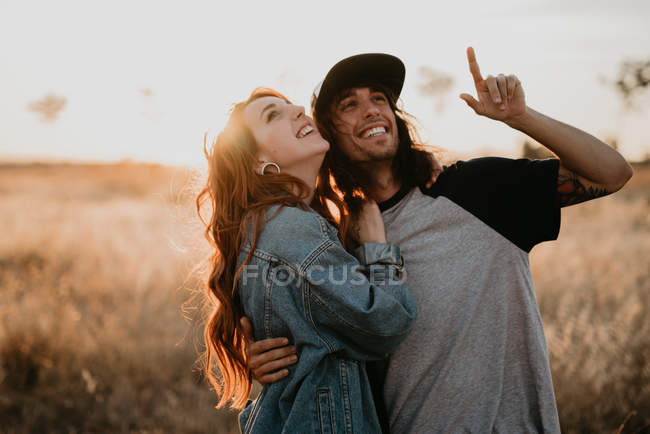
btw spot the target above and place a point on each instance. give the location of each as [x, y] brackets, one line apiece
[364, 296]
[367, 318]
[360, 307]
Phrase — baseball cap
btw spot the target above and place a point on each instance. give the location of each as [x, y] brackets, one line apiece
[361, 69]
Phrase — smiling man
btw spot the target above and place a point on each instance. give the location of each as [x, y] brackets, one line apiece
[373, 138]
[476, 359]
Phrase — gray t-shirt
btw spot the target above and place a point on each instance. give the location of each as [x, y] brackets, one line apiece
[476, 359]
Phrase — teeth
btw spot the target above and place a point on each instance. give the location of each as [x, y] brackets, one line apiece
[374, 131]
[304, 131]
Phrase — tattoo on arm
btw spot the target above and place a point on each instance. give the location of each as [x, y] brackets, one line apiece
[570, 190]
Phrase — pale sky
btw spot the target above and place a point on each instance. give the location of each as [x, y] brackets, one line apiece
[198, 58]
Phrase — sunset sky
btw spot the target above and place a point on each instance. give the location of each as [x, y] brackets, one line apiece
[145, 80]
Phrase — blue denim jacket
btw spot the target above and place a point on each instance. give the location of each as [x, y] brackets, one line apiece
[338, 310]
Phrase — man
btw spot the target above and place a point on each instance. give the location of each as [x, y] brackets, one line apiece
[476, 359]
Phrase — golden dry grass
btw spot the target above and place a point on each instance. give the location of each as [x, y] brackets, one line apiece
[593, 288]
[94, 261]
[92, 268]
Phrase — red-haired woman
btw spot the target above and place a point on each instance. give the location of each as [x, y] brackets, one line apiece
[279, 260]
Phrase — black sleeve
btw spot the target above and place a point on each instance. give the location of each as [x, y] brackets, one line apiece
[517, 198]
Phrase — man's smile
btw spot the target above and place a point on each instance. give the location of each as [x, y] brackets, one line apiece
[373, 130]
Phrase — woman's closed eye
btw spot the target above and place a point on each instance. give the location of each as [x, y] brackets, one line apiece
[272, 115]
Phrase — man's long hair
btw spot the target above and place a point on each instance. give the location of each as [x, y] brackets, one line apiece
[237, 197]
[412, 164]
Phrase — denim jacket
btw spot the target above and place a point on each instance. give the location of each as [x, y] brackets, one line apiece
[339, 311]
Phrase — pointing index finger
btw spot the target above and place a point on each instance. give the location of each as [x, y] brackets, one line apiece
[473, 65]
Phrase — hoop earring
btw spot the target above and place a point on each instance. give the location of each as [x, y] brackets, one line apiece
[265, 165]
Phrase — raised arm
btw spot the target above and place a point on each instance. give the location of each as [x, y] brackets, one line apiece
[588, 169]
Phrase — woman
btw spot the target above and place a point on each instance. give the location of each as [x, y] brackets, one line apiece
[281, 263]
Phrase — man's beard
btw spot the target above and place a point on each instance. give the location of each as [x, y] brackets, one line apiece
[386, 155]
[378, 155]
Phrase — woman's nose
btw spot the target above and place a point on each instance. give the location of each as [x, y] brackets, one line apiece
[299, 111]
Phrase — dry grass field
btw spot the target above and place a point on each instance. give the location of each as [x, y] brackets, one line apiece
[96, 264]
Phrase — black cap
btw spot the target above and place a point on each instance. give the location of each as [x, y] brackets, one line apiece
[362, 69]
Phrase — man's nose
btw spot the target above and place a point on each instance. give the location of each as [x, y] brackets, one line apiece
[370, 110]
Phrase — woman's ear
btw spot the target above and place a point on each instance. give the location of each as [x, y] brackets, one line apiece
[261, 159]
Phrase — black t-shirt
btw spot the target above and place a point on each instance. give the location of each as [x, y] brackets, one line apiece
[517, 198]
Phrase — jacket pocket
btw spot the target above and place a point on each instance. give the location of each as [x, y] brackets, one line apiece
[249, 419]
[325, 411]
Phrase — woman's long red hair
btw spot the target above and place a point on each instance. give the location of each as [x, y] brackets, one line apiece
[237, 195]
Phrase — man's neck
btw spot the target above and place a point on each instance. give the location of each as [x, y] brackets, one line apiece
[382, 182]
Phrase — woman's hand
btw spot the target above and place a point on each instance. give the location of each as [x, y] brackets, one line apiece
[500, 98]
[267, 358]
[369, 226]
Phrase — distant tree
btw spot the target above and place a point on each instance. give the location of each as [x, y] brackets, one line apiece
[435, 85]
[633, 80]
[534, 152]
[49, 107]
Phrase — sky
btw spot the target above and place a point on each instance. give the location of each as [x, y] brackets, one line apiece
[145, 80]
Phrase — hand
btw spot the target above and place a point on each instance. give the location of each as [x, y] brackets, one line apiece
[266, 358]
[437, 170]
[500, 98]
[369, 224]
